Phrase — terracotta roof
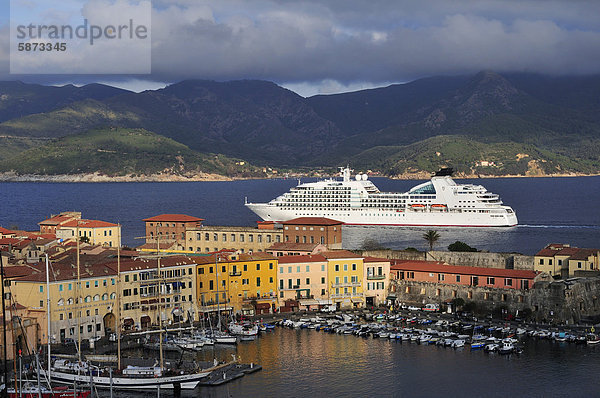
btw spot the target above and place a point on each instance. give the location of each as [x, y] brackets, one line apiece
[174, 218]
[312, 221]
[583, 254]
[333, 254]
[376, 260]
[290, 246]
[56, 220]
[9, 241]
[314, 258]
[547, 252]
[67, 271]
[5, 231]
[432, 266]
[16, 271]
[88, 224]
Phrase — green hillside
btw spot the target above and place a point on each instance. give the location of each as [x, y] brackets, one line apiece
[118, 152]
[469, 157]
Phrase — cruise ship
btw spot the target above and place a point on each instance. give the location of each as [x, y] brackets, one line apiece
[440, 202]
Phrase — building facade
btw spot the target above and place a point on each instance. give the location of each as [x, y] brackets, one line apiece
[563, 261]
[170, 228]
[211, 238]
[345, 273]
[304, 278]
[376, 280]
[96, 232]
[314, 230]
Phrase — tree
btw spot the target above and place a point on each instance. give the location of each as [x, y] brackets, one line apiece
[372, 244]
[84, 239]
[431, 237]
[459, 246]
[458, 303]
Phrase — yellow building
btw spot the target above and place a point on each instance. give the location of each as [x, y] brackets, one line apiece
[345, 273]
[562, 260]
[95, 231]
[140, 295]
[92, 312]
[377, 279]
[211, 238]
[303, 278]
[238, 283]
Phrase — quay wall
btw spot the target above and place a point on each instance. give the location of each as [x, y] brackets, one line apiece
[559, 302]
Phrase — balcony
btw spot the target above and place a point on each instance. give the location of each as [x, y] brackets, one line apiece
[375, 277]
[345, 295]
[263, 297]
[345, 284]
[235, 273]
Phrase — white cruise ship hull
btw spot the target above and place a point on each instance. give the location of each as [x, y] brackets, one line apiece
[440, 202]
[434, 218]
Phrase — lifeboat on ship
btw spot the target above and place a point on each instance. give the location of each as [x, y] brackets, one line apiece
[438, 206]
[417, 206]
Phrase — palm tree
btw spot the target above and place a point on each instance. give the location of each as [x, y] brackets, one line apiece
[431, 237]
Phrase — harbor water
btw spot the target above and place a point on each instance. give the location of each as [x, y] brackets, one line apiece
[303, 362]
[549, 209]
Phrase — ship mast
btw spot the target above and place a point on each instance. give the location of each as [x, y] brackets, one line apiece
[118, 301]
[78, 296]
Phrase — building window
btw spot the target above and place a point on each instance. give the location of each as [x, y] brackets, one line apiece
[508, 282]
[469, 295]
[491, 281]
[322, 279]
[241, 237]
[259, 238]
[337, 267]
[541, 261]
[224, 237]
[345, 267]
[457, 278]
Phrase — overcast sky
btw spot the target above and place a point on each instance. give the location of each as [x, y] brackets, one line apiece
[339, 45]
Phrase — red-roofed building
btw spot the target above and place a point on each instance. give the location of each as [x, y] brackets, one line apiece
[295, 249]
[50, 225]
[303, 278]
[170, 228]
[96, 232]
[436, 272]
[6, 233]
[314, 230]
[562, 260]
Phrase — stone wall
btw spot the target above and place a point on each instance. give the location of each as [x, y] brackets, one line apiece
[469, 259]
[569, 301]
[485, 260]
[392, 254]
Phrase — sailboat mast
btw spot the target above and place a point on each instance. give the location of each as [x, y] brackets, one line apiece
[160, 313]
[118, 303]
[78, 300]
[4, 391]
[48, 312]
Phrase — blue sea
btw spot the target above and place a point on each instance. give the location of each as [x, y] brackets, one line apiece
[556, 209]
[299, 363]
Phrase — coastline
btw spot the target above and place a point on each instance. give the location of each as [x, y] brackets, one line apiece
[196, 177]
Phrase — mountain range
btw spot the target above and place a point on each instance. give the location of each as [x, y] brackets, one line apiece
[486, 124]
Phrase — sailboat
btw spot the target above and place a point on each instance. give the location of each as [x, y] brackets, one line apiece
[38, 390]
[131, 377]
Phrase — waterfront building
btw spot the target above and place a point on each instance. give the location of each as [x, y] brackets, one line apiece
[140, 295]
[97, 232]
[212, 238]
[170, 228]
[91, 311]
[321, 230]
[6, 233]
[436, 272]
[237, 282]
[303, 278]
[345, 273]
[296, 249]
[376, 280]
[50, 225]
[562, 260]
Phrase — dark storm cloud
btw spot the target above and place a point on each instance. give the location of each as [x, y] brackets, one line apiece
[350, 41]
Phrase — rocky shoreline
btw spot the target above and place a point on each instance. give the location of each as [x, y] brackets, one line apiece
[163, 177]
[97, 177]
